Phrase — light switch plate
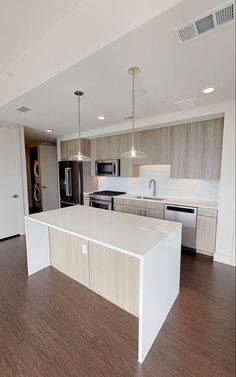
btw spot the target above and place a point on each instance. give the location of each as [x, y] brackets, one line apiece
[84, 249]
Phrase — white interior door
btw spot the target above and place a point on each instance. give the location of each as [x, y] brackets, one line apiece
[49, 176]
[10, 215]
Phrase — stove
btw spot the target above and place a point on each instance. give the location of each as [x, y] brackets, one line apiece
[103, 199]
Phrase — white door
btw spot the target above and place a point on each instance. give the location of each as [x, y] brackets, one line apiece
[10, 220]
[49, 176]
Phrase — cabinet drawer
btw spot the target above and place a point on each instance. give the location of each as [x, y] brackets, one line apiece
[210, 212]
[140, 203]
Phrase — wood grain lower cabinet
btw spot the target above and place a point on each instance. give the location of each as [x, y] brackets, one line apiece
[112, 274]
[66, 255]
[115, 276]
[206, 234]
[141, 210]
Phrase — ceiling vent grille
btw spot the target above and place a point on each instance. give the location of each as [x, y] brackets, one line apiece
[225, 14]
[211, 20]
[22, 109]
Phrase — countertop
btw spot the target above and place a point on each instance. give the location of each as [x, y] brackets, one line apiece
[179, 201]
[131, 234]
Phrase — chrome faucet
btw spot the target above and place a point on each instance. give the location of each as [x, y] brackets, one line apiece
[154, 186]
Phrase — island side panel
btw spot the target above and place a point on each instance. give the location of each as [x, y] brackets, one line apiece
[37, 245]
[159, 287]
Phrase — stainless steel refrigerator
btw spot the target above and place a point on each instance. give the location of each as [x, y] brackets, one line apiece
[71, 182]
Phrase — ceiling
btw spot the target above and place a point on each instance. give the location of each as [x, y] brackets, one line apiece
[170, 72]
[23, 22]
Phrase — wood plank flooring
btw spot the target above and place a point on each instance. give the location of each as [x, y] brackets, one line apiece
[51, 326]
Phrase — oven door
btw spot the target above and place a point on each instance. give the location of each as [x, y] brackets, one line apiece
[107, 168]
[103, 204]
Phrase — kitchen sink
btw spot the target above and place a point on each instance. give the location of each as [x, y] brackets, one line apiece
[150, 197]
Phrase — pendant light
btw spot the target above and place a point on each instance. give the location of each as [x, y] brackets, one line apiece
[79, 156]
[133, 153]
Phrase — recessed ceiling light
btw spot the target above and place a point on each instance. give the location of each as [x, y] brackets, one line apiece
[101, 117]
[49, 131]
[208, 90]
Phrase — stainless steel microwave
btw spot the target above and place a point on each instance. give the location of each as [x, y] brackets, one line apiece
[107, 168]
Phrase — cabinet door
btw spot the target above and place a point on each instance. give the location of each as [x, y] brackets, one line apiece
[206, 234]
[115, 276]
[127, 165]
[156, 144]
[155, 213]
[133, 210]
[213, 138]
[194, 150]
[66, 255]
[178, 151]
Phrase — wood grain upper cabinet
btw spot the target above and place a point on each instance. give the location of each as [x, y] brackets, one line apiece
[194, 150]
[213, 138]
[156, 144]
[70, 148]
[178, 151]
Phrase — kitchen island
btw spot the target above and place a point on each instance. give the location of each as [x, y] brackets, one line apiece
[132, 261]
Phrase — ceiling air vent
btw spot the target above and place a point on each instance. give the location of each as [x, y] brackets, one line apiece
[225, 15]
[209, 21]
[22, 109]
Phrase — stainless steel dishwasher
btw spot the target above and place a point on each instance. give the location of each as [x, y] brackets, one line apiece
[188, 217]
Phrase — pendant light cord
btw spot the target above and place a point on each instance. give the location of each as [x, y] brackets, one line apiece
[79, 124]
[133, 111]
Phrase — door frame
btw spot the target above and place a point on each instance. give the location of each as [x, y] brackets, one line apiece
[18, 131]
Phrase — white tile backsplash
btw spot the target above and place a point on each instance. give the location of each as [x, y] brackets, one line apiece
[166, 186]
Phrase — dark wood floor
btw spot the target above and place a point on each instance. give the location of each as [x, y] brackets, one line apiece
[51, 326]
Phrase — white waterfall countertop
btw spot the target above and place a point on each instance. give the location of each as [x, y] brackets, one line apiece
[130, 234]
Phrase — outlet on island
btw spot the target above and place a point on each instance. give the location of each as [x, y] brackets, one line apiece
[84, 249]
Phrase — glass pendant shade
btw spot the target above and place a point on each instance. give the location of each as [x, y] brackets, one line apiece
[79, 156]
[133, 153]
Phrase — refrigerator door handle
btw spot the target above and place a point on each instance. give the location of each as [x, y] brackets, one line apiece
[68, 181]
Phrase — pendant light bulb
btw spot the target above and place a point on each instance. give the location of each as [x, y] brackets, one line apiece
[79, 156]
[133, 153]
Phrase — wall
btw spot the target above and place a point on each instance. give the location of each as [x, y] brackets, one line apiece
[166, 186]
[225, 240]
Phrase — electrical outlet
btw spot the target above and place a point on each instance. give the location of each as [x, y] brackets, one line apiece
[84, 249]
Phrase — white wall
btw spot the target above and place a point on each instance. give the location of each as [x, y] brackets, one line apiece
[225, 240]
[166, 186]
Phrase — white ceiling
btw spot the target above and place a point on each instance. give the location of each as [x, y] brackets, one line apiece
[170, 72]
[23, 22]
